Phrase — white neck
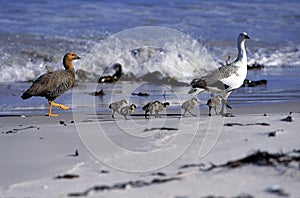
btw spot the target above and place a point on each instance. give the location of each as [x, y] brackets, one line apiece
[242, 56]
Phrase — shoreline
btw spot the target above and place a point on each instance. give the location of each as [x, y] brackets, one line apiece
[202, 110]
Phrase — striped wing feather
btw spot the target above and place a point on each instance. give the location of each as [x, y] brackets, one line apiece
[51, 84]
[214, 79]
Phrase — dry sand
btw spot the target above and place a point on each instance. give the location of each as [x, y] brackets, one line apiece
[39, 155]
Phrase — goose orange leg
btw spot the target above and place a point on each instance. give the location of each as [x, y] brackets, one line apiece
[51, 103]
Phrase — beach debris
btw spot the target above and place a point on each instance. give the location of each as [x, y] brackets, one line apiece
[161, 174]
[127, 110]
[67, 176]
[260, 158]
[155, 107]
[243, 195]
[161, 128]
[140, 94]
[76, 154]
[97, 93]
[104, 171]
[252, 83]
[228, 115]
[277, 190]
[273, 133]
[188, 105]
[250, 124]
[62, 122]
[192, 166]
[87, 120]
[287, 119]
[116, 106]
[20, 129]
[255, 65]
[22, 116]
[124, 186]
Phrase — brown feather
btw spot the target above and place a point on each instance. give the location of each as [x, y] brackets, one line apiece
[53, 84]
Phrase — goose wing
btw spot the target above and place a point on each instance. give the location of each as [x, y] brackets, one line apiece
[216, 79]
[51, 84]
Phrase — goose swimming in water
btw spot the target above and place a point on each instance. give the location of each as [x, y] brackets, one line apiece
[115, 77]
[54, 83]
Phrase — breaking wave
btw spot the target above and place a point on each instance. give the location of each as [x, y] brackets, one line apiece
[162, 54]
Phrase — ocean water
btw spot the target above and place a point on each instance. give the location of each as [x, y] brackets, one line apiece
[140, 35]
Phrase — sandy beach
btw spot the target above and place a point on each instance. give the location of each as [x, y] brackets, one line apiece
[147, 51]
[254, 154]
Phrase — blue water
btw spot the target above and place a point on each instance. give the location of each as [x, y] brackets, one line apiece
[39, 33]
[270, 20]
[36, 34]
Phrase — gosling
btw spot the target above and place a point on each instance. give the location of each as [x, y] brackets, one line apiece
[155, 107]
[116, 106]
[127, 110]
[214, 101]
[188, 105]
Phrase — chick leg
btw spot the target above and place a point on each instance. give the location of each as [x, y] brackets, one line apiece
[192, 114]
[209, 111]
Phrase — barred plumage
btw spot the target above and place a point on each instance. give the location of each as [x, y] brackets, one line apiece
[227, 78]
[188, 105]
[127, 110]
[214, 101]
[116, 106]
[54, 83]
[155, 107]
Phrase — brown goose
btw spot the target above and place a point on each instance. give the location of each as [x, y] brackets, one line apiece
[54, 83]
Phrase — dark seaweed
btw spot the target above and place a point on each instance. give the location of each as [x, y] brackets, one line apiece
[20, 129]
[67, 176]
[124, 185]
[287, 119]
[260, 158]
[250, 124]
[161, 128]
